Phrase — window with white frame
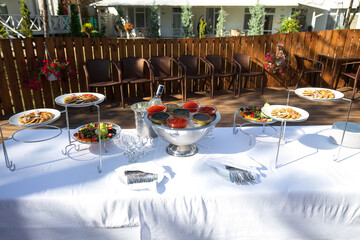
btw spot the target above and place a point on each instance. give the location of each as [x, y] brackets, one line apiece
[212, 15]
[140, 17]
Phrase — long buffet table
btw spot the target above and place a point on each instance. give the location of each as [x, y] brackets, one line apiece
[308, 195]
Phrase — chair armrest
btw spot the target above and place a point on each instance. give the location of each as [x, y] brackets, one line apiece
[152, 78]
[231, 62]
[209, 65]
[258, 62]
[350, 63]
[212, 67]
[183, 68]
[116, 64]
[180, 67]
[237, 66]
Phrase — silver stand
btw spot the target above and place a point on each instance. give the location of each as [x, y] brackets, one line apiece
[237, 127]
[346, 122]
[9, 164]
[77, 147]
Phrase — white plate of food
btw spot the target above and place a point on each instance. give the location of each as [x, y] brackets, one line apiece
[35, 117]
[81, 99]
[88, 133]
[319, 94]
[285, 113]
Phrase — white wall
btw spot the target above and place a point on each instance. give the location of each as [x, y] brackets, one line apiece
[34, 6]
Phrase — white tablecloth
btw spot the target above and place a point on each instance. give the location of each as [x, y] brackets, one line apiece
[308, 196]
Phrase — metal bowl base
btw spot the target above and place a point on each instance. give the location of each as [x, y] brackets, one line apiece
[182, 151]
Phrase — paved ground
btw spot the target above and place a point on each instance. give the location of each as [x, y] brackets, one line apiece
[320, 113]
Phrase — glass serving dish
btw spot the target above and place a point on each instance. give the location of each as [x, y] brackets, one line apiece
[182, 141]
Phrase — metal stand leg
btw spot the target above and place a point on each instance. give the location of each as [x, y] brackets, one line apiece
[9, 164]
[346, 122]
[71, 143]
[278, 149]
[100, 162]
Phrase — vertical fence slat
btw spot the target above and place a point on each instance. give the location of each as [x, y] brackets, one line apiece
[355, 49]
[197, 53]
[80, 62]
[20, 63]
[153, 47]
[55, 86]
[146, 54]
[5, 89]
[347, 45]
[29, 49]
[46, 87]
[97, 48]
[210, 46]
[138, 53]
[69, 46]
[59, 42]
[237, 45]
[113, 56]
[11, 73]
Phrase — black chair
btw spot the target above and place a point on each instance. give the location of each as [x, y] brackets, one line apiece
[317, 67]
[132, 71]
[218, 68]
[243, 63]
[190, 65]
[161, 68]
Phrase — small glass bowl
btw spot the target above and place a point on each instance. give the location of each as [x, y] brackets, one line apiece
[155, 109]
[192, 106]
[160, 117]
[177, 122]
[208, 109]
[182, 113]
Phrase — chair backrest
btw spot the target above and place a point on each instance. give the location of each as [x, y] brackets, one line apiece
[132, 67]
[243, 60]
[300, 63]
[97, 70]
[191, 63]
[216, 61]
[161, 66]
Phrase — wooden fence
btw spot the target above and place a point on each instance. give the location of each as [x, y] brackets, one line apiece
[15, 98]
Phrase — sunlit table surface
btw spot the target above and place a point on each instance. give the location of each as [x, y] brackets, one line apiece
[307, 196]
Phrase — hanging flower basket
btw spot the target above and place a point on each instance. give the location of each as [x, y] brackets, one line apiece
[37, 71]
[53, 77]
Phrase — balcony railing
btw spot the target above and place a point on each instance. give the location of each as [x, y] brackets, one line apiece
[57, 24]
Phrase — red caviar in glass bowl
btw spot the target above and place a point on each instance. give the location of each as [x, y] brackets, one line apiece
[155, 109]
[177, 122]
[209, 109]
[191, 106]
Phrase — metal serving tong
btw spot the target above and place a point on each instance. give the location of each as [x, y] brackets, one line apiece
[136, 176]
[239, 175]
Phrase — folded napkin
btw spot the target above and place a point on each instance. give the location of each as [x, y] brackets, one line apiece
[239, 161]
[141, 171]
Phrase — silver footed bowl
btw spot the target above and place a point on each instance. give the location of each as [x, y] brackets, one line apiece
[182, 141]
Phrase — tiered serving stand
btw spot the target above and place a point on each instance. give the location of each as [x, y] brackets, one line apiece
[14, 120]
[265, 125]
[338, 96]
[60, 101]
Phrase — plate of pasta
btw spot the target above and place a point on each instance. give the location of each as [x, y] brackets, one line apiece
[35, 117]
[285, 113]
[319, 94]
[81, 99]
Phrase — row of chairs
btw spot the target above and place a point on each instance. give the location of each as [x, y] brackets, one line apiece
[132, 70]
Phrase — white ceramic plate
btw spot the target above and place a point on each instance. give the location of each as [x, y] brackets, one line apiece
[14, 120]
[338, 95]
[115, 126]
[60, 99]
[304, 114]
